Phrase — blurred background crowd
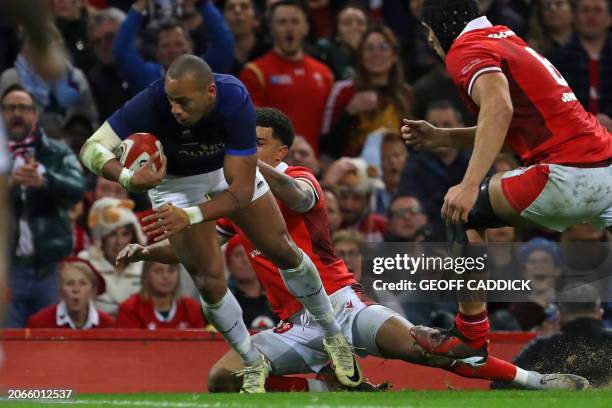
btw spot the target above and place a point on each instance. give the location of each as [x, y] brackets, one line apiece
[346, 73]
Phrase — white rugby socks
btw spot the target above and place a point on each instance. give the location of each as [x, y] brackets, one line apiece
[226, 316]
[305, 284]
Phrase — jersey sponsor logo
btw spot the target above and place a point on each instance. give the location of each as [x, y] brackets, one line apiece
[255, 252]
[349, 304]
[502, 35]
[202, 149]
[283, 327]
[281, 80]
[568, 97]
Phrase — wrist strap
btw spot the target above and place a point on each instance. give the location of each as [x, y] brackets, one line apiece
[125, 178]
[195, 214]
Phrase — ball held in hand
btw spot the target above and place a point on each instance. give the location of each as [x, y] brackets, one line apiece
[135, 150]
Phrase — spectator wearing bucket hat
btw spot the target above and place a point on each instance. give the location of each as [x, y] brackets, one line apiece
[114, 225]
[79, 283]
[356, 183]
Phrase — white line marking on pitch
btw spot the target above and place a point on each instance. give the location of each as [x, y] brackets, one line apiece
[167, 404]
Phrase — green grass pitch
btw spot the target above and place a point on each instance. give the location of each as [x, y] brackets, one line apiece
[406, 399]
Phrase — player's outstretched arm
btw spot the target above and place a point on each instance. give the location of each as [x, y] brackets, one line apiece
[158, 252]
[240, 175]
[419, 135]
[295, 194]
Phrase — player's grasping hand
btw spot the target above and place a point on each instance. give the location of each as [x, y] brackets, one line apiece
[458, 203]
[166, 221]
[419, 134]
[131, 253]
[147, 176]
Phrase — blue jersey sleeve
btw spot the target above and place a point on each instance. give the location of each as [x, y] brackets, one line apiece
[136, 115]
[240, 126]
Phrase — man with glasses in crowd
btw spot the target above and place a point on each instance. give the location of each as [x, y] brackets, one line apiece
[45, 181]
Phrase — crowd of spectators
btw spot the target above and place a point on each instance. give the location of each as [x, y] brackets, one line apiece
[345, 72]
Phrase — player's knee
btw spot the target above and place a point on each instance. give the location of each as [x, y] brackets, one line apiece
[222, 380]
[482, 215]
[211, 287]
[285, 254]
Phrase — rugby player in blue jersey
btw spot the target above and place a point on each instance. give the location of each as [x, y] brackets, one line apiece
[206, 124]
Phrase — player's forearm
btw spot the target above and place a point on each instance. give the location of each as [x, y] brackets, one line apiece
[286, 189]
[493, 123]
[161, 252]
[99, 148]
[225, 203]
[461, 138]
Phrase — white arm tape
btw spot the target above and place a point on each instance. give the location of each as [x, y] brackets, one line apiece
[100, 148]
[195, 214]
[125, 178]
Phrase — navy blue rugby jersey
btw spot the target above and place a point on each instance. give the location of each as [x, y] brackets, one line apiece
[228, 129]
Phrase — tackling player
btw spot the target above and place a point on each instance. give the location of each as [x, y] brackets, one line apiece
[206, 124]
[295, 345]
[523, 103]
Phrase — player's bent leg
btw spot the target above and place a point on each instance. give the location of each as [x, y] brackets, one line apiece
[222, 376]
[392, 340]
[381, 332]
[468, 339]
[198, 250]
[263, 224]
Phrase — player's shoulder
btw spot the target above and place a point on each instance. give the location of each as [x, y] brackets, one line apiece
[155, 90]
[231, 94]
[480, 40]
[229, 82]
[299, 171]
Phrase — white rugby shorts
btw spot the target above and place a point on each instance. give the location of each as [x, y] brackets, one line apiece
[558, 197]
[188, 191]
[296, 346]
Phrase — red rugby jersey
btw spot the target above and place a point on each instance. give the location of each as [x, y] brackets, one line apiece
[51, 318]
[310, 232]
[138, 313]
[298, 88]
[549, 125]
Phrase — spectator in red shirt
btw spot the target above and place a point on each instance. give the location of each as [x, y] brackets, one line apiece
[288, 79]
[377, 96]
[159, 304]
[79, 284]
